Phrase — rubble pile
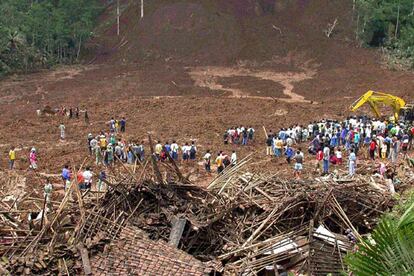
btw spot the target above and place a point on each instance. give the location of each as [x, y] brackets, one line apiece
[151, 218]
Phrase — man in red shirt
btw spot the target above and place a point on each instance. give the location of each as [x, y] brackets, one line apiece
[319, 158]
[81, 180]
[372, 148]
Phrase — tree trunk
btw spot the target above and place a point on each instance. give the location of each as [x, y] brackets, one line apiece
[398, 20]
[79, 48]
[117, 17]
[142, 8]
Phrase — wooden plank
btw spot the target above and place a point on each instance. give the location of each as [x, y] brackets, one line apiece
[85, 259]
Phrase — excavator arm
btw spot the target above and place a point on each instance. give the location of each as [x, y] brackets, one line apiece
[375, 98]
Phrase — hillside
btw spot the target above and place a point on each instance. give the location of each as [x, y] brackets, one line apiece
[209, 65]
[194, 73]
[223, 31]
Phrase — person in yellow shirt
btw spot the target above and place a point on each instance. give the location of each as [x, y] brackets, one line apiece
[219, 163]
[102, 142]
[158, 150]
[12, 158]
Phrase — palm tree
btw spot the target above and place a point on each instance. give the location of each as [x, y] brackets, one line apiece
[390, 250]
[15, 40]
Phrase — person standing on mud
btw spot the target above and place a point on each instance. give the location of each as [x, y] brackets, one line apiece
[289, 153]
[123, 124]
[174, 150]
[207, 161]
[186, 152]
[158, 150]
[87, 178]
[86, 117]
[33, 159]
[250, 130]
[101, 181]
[233, 159]
[326, 156]
[48, 188]
[193, 151]
[269, 143]
[12, 158]
[298, 164]
[89, 139]
[62, 131]
[219, 163]
[372, 148]
[66, 177]
[92, 143]
[98, 155]
[352, 163]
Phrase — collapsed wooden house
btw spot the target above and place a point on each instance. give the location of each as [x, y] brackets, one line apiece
[152, 220]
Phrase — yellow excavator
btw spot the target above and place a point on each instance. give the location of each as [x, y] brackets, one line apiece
[400, 109]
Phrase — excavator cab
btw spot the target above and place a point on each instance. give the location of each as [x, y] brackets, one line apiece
[407, 112]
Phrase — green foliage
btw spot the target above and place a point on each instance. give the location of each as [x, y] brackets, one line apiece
[390, 250]
[39, 33]
[388, 23]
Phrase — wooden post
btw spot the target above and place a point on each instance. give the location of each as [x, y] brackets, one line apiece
[310, 238]
[85, 259]
[43, 212]
[398, 20]
[177, 170]
[154, 161]
[176, 233]
[264, 129]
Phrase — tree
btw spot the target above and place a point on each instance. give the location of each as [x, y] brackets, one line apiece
[44, 32]
[389, 24]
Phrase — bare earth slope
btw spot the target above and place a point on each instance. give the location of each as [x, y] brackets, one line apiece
[190, 69]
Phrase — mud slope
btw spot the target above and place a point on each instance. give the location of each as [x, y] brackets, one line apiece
[220, 31]
[191, 69]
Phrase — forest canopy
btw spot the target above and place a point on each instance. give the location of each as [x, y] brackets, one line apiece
[389, 24]
[41, 33]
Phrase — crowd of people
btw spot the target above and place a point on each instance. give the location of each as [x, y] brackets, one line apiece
[330, 140]
[328, 143]
[239, 135]
[72, 112]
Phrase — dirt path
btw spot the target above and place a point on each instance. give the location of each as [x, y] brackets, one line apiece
[208, 77]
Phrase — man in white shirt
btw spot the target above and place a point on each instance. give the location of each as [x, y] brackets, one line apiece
[207, 161]
[310, 129]
[87, 177]
[233, 159]
[62, 131]
[174, 150]
[186, 152]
